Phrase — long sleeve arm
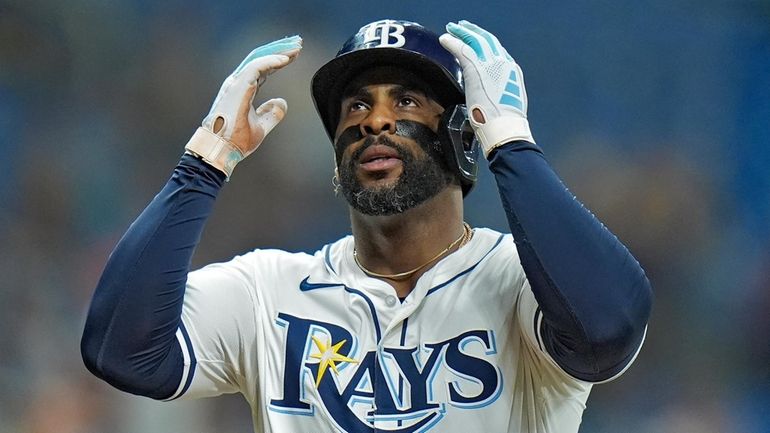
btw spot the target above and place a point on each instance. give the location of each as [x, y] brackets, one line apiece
[130, 336]
[594, 296]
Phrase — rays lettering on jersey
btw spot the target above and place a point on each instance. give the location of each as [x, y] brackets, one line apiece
[399, 389]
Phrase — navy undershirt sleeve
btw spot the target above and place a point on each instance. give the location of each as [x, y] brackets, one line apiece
[594, 296]
[129, 338]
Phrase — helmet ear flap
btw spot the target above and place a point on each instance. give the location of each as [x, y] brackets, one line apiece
[459, 145]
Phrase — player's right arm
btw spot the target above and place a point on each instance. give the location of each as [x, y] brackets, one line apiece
[134, 337]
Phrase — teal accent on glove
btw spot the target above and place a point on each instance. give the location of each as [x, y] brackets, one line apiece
[512, 92]
[493, 42]
[276, 47]
[468, 38]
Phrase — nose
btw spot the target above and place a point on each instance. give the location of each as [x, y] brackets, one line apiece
[380, 119]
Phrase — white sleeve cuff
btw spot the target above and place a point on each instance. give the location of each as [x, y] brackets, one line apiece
[215, 150]
[500, 130]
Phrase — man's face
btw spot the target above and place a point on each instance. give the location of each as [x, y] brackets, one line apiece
[385, 146]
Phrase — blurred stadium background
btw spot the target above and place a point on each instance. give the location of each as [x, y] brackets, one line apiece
[656, 114]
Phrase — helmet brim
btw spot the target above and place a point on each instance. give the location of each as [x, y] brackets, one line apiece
[330, 80]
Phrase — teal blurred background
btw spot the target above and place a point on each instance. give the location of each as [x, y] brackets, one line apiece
[656, 114]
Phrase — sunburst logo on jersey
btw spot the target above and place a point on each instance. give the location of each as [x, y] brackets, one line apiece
[329, 357]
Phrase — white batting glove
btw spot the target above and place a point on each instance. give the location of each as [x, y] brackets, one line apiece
[233, 129]
[494, 85]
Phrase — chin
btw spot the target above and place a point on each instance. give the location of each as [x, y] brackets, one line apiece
[382, 179]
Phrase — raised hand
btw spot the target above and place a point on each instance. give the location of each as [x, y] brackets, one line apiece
[233, 128]
[494, 85]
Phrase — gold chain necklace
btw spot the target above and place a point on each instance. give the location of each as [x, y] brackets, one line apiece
[462, 240]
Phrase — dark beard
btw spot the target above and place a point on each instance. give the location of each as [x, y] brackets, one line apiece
[421, 179]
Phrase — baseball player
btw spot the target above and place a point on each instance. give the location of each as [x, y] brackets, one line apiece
[417, 321]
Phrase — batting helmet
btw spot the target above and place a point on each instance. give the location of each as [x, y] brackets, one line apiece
[413, 47]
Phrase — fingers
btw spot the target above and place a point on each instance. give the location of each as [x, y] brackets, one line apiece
[270, 113]
[462, 52]
[470, 38]
[266, 59]
[489, 37]
[288, 46]
[267, 116]
[481, 41]
[256, 72]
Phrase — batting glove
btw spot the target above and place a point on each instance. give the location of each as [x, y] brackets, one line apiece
[233, 129]
[494, 85]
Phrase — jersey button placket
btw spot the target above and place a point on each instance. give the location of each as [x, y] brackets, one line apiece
[391, 301]
[390, 338]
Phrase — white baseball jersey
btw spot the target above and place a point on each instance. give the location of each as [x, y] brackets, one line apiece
[315, 345]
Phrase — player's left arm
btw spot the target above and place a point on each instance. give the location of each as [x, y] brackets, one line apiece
[594, 297]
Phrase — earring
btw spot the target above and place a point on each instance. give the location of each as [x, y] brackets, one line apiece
[336, 181]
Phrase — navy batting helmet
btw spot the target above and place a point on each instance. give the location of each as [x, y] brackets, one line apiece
[413, 47]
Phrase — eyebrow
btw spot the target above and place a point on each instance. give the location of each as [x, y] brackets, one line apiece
[360, 93]
[397, 89]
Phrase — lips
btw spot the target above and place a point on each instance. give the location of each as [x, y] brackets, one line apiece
[379, 157]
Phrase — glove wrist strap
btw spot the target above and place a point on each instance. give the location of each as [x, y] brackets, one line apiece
[215, 150]
[500, 130]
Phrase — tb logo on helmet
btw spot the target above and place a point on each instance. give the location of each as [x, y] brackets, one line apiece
[384, 30]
